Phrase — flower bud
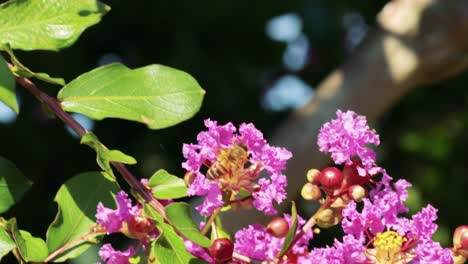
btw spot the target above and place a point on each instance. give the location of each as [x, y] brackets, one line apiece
[357, 193]
[221, 249]
[460, 240]
[311, 192]
[328, 217]
[189, 178]
[312, 176]
[278, 227]
[330, 178]
[137, 227]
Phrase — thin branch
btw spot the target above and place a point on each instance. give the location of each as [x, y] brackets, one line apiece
[54, 105]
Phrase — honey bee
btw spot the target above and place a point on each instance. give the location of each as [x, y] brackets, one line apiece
[228, 160]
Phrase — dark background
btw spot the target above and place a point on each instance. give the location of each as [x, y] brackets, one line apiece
[224, 45]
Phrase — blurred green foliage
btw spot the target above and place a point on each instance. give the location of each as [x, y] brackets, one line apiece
[224, 46]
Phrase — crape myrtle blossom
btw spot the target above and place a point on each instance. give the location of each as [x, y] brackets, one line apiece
[112, 256]
[213, 150]
[255, 242]
[378, 234]
[346, 137]
[127, 219]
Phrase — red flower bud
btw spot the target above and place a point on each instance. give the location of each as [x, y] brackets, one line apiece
[221, 249]
[278, 227]
[331, 178]
[352, 176]
[137, 227]
[460, 240]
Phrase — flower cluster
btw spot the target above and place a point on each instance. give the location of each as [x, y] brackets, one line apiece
[346, 137]
[395, 239]
[224, 163]
[127, 219]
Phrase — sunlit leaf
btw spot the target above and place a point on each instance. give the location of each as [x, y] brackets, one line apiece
[46, 24]
[7, 86]
[29, 248]
[180, 216]
[105, 156]
[6, 243]
[167, 186]
[20, 70]
[169, 248]
[155, 95]
[77, 199]
[13, 184]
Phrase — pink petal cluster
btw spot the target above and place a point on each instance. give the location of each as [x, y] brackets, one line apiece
[381, 212]
[346, 137]
[255, 242]
[112, 256]
[217, 137]
[112, 219]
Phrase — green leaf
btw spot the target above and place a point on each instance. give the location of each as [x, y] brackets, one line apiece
[155, 95]
[7, 86]
[13, 185]
[167, 186]
[149, 212]
[180, 216]
[77, 200]
[292, 231]
[105, 156]
[21, 70]
[46, 24]
[6, 243]
[169, 248]
[29, 248]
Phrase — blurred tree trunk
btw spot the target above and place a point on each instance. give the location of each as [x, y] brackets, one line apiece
[415, 42]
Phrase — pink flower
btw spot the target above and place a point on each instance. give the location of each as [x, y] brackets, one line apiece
[112, 256]
[255, 242]
[346, 137]
[351, 250]
[235, 172]
[112, 219]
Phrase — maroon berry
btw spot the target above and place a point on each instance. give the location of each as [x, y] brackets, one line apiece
[331, 178]
[222, 249]
[278, 227]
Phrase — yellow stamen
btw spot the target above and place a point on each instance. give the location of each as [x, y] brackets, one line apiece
[388, 245]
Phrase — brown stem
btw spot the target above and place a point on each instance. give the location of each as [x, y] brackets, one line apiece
[210, 220]
[68, 246]
[54, 105]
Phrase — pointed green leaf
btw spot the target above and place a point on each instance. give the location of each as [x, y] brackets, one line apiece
[13, 184]
[155, 95]
[104, 155]
[29, 248]
[181, 217]
[77, 200]
[6, 243]
[167, 186]
[292, 231]
[170, 248]
[149, 212]
[46, 24]
[7, 86]
[20, 70]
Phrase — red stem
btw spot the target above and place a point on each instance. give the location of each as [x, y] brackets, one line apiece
[54, 105]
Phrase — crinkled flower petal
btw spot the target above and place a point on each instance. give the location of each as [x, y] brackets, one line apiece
[112, 219]
[270, 190]
[198, 251]
[213, 200]
[112, 256]
[428, 251]
[346, 137]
